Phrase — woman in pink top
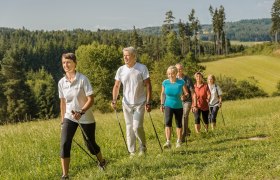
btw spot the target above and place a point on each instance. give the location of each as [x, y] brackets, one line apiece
[201, 106]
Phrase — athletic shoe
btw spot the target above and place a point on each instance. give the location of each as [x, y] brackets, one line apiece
[131, 155]
[178, 144]
[102, 165]
[64, 177]
[142, 151]
[167, 145]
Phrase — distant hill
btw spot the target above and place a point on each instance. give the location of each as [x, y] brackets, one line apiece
[243, 30]
[265, 69]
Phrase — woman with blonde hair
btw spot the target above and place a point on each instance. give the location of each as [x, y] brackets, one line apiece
[215, 101]
[172, 93]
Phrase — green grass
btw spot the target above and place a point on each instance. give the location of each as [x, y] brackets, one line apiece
[31, 150]
[265, 69]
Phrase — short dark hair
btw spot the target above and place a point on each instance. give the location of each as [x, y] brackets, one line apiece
[70, 56]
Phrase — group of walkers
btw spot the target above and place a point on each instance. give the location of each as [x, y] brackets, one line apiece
[179, 96]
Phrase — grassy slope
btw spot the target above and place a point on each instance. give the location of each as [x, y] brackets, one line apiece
[31, 150]
[265, 69]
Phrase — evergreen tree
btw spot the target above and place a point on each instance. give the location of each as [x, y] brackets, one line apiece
[136, 41]
[44, 90]
[16, 91]
[218, 22]
[168, 23]
[173, 46]
[3, 100]
[194, 28]
[275, 17]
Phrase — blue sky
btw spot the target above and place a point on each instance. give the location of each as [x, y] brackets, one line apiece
[123, 14]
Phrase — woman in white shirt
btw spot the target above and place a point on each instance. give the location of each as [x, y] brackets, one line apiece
[215, 101]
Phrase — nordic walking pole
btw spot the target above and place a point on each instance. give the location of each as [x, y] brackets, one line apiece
[204, 125]
[87, 139]
[155, 132]
[223, 117]
[121, 130]
[84, 150]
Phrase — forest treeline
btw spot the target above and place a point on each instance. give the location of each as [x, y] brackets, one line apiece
[31, 62]
[243, 30]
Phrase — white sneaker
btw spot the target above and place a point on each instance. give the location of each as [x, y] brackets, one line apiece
[142, 153]
[131, 155]
[178, 144]
[142, 150]
[167, 145]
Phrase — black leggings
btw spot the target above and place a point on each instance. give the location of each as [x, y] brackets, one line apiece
[67, 133]
[169, 114]
[204, 116]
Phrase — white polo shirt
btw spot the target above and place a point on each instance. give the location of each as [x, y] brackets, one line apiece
[75, 95]
[134, 91]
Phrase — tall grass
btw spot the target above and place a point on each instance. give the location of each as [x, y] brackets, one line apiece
[31, 150]
[265, 69]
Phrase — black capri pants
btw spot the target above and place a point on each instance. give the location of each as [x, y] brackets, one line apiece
[204, 116]
[169, 115]
[68, 131]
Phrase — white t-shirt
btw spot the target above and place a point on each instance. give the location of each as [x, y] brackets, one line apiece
[215, 91]
[75, 95]
[134, 91]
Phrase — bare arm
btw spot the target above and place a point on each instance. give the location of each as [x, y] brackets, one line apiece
[208, 95]
[220, 101]
[162, 99]
[148, 85]
[185, 93]
[115, 93]
[87, 105]
[62, 109]
[194, 102]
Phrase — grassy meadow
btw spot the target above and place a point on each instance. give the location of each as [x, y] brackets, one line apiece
[31, 150]
[265, 69]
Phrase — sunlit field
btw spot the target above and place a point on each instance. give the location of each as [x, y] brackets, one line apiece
[247, 147]
[265, 69]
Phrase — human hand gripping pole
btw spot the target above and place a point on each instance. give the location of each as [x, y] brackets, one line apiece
[88, 141]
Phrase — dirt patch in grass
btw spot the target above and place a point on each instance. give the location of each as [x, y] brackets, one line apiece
[258, 138]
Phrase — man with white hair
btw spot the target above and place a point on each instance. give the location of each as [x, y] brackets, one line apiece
[137, 91]
[187, 102]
